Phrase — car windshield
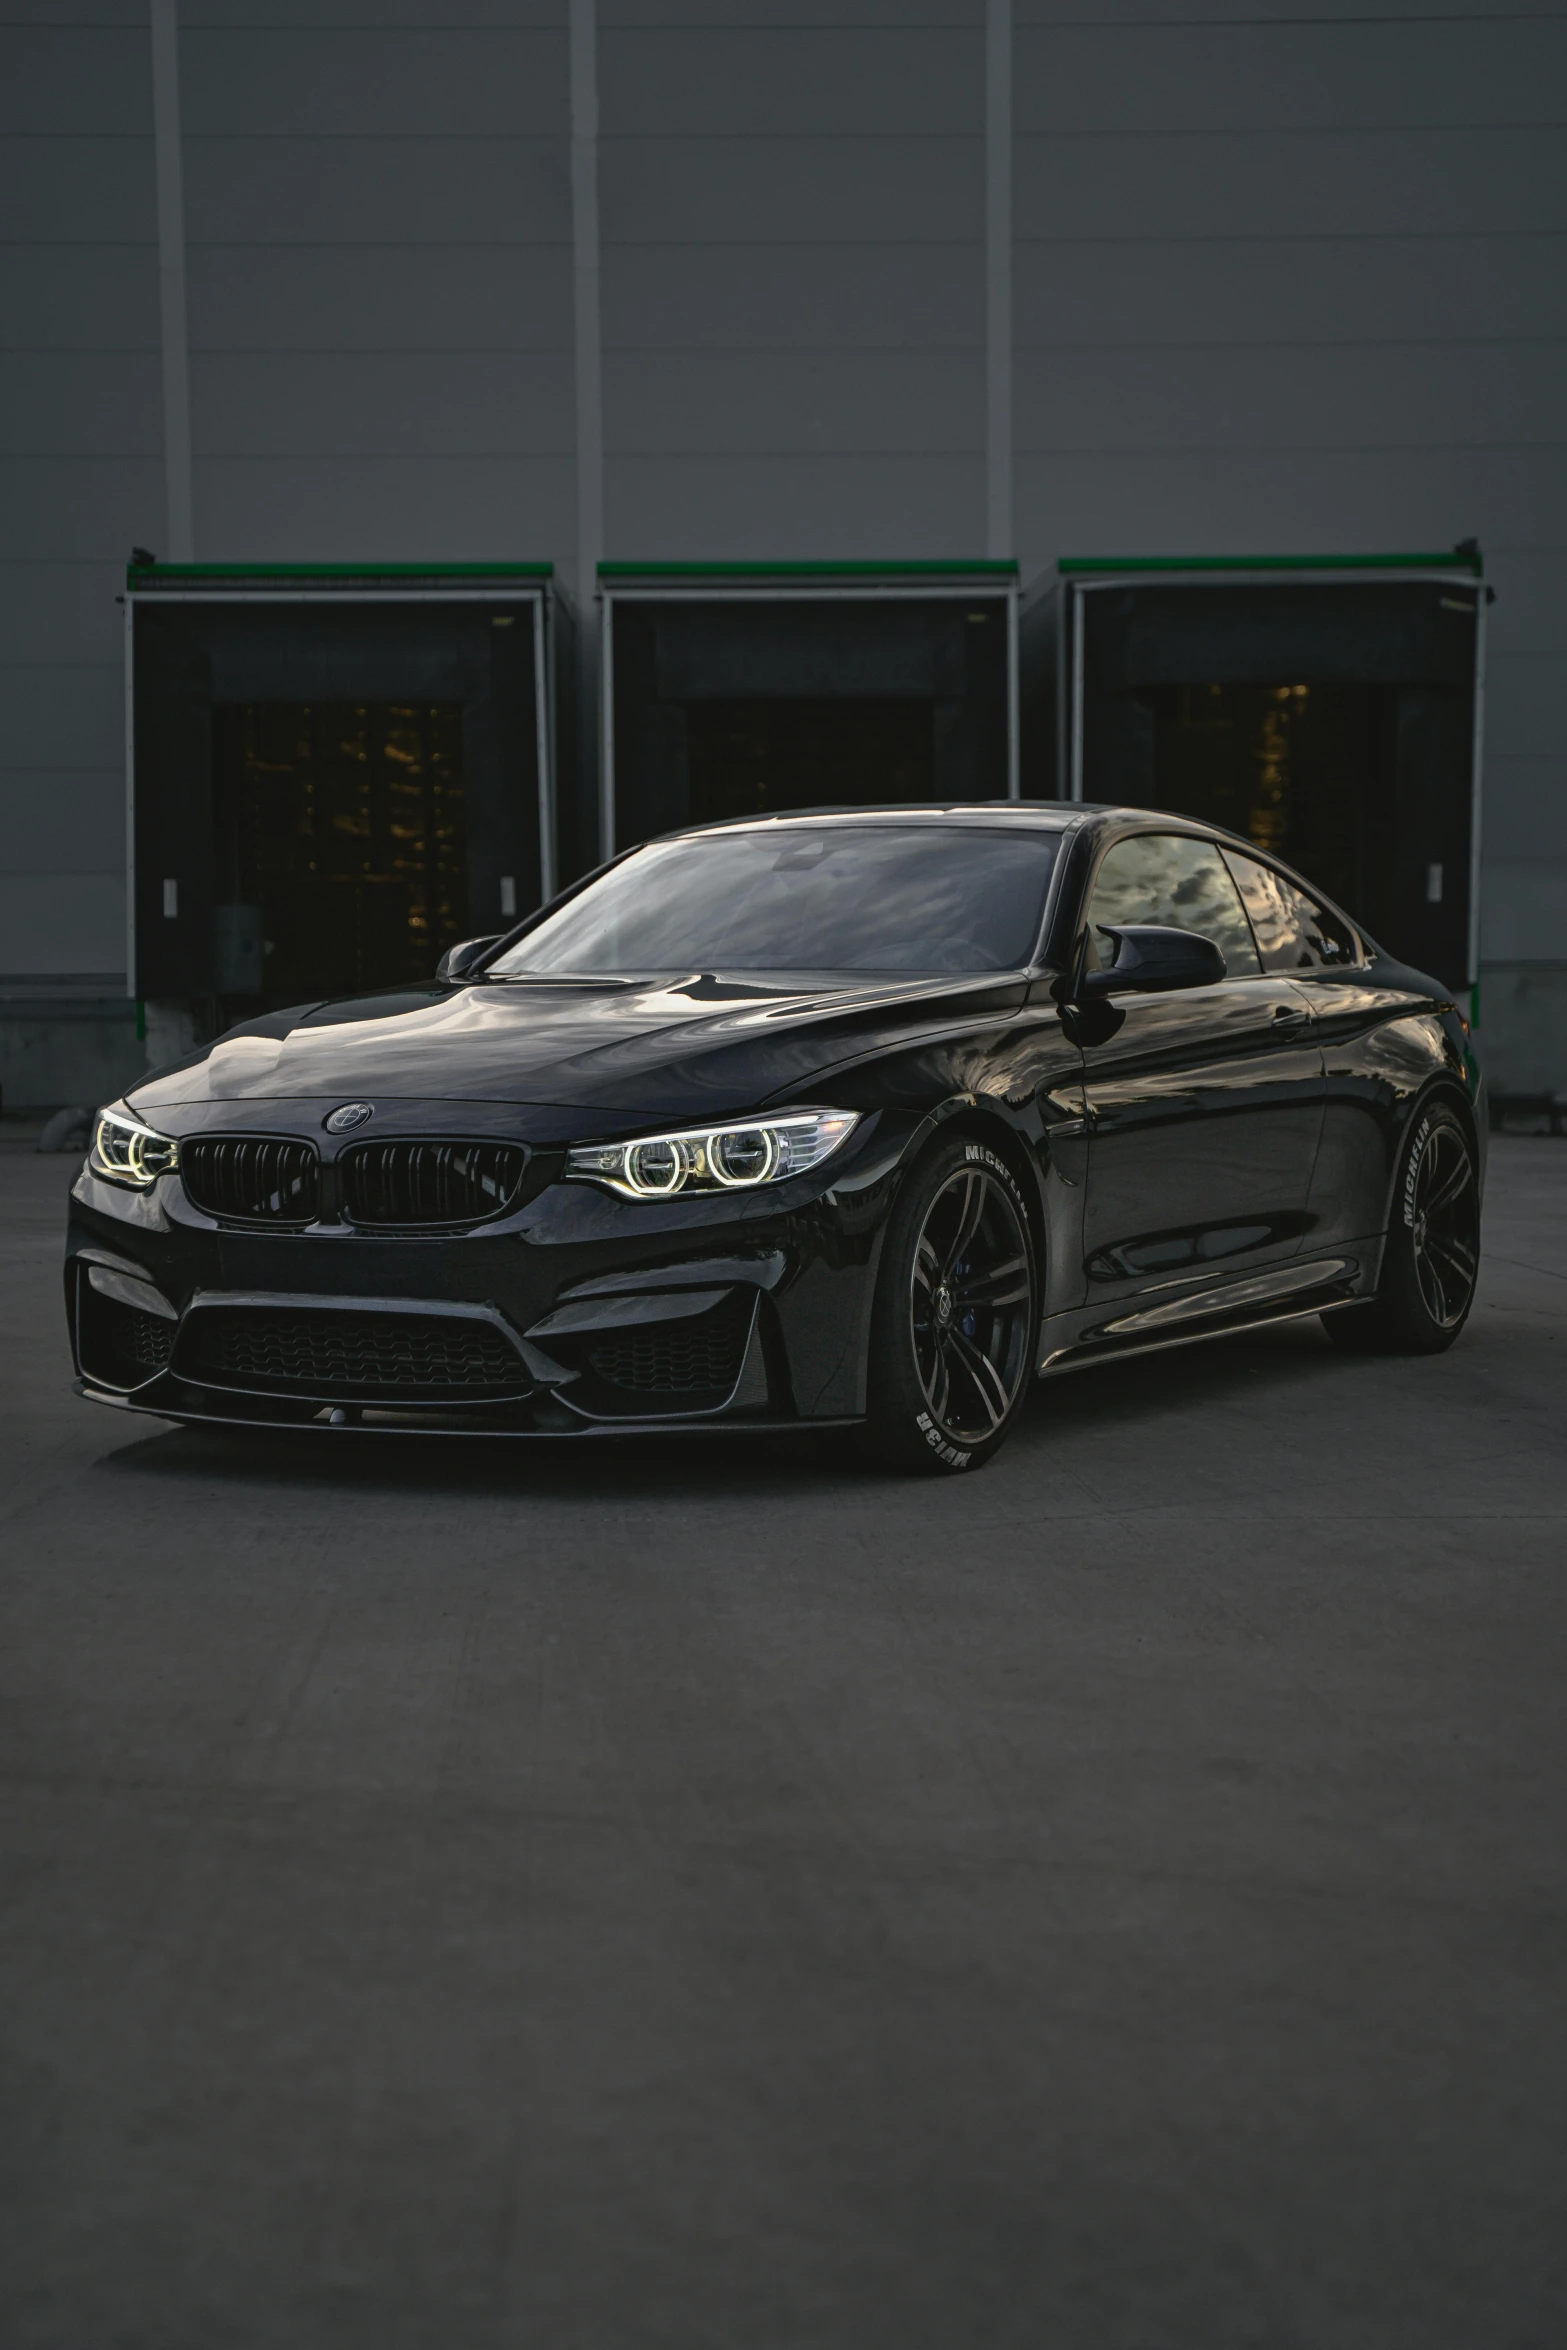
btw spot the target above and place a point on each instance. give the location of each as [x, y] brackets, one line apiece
[853, 897]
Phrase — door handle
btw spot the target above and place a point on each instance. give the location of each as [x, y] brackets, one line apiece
[1288, 1023]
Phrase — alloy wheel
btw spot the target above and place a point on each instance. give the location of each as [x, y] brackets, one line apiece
[969, 1299]
[1444, 1222]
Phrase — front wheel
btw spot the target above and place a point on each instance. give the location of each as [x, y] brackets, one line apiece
[1431, 1259]
[956, 1312]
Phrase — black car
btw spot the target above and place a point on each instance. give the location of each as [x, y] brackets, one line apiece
[846, 1118]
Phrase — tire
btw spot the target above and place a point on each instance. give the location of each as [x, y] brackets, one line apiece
[956, 1314]
[1431, 1259]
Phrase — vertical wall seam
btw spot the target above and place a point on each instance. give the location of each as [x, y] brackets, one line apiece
[589, 382]
[998, 277]
[168, 161]
[585, 291]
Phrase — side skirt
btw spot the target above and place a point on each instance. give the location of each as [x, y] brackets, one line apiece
[1075, 1359]
[1298, 1292]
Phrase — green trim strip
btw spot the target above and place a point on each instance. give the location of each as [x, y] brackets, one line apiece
[988, 568]
[1451, 559]
[193, 574]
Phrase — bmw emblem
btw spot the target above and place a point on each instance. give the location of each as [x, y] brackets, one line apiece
[351, 1114]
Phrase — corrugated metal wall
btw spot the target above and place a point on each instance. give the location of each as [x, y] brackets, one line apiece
[1280, 285]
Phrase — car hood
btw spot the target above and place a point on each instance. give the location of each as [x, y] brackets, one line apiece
[676, 1047]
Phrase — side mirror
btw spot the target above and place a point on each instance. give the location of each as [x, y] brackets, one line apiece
[1149, 960]
[461, 959]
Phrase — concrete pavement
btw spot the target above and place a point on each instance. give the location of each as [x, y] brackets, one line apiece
[703, 1896]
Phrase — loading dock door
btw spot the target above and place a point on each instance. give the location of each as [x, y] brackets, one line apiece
[340, 845]
[751, 690]
[1331, 719]
[332, 779]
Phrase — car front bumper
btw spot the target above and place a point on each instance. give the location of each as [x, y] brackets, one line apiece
[578, 1314]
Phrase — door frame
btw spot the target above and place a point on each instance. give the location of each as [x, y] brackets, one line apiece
[534, 584]
[792, 583]
[1081, 576]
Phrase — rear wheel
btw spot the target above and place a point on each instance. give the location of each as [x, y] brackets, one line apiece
[952, 1334]
[1431, 1260]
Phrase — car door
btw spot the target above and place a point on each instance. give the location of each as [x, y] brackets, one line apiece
[1379, 1039]
[1204, 1105]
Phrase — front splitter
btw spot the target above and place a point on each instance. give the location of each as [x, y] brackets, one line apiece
[373, 1421]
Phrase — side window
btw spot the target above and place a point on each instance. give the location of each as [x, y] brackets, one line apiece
[1181, 883]
[1293, 932]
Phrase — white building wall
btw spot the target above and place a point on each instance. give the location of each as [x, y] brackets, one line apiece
[1281, 285]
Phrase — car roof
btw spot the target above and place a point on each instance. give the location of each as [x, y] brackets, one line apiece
[1048, 815]
[1041, 815]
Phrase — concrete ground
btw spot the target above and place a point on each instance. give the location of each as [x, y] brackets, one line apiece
[707, 1897]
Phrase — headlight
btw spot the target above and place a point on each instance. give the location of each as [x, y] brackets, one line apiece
[714, 1158]
[125, 1152]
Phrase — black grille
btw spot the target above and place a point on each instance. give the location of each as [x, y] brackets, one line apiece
[252, 1179]
[151, 1337]
[406, 1186]
[678, 1358]
[343, 1353]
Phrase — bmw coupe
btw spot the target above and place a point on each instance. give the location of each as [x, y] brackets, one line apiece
[838, 1119]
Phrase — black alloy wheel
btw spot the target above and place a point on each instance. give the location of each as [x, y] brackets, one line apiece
[1431, 1261]
[956, 1313]
[1445, 1233]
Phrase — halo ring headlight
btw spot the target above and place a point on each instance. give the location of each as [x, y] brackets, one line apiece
[654, 1169]
[740, 1156]
[125, 1151]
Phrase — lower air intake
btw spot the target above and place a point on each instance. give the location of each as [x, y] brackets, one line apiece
[151, 1339]
[120, 1346]
[701, 1357]
[344, 1354]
